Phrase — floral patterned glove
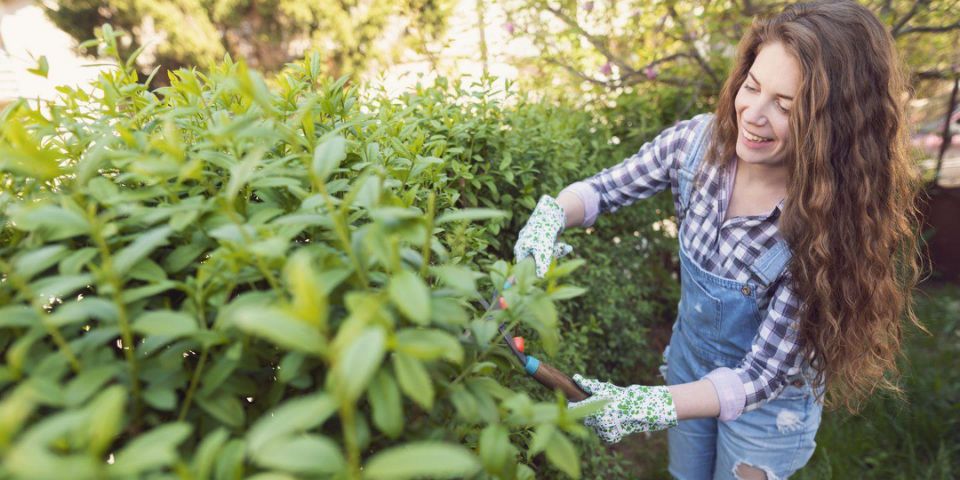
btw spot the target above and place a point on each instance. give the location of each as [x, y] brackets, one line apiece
[539, 236]
[631, 409]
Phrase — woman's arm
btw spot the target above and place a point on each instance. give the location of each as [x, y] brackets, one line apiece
[573, 208]
[652, 169]
[695, 400]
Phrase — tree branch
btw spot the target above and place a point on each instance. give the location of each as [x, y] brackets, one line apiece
[596, 42]
[931, 29]
[694, 52]
[577, 73]
[624, 81]
[936, 75]
[902, 22]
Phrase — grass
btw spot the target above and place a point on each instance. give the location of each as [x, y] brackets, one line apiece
[915, 439]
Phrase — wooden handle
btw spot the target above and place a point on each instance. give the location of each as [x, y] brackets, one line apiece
[555, 379]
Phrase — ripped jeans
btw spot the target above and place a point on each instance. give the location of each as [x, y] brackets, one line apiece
[777, 439]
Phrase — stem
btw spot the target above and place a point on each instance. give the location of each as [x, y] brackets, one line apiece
[340, 229]
[126, 333]
[425, 251]
[58, 338]
[267, 274]
[349, 438]
[194, 381]
[484, 353]
[199, 301]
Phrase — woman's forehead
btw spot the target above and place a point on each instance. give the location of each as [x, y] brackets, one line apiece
[776, 70]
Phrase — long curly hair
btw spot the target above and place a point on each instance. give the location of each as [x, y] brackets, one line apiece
[850, 215]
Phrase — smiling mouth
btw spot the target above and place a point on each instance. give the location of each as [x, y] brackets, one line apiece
[755, 138]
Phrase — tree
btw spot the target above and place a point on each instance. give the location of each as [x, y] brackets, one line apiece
[611, 46]
[349, 34]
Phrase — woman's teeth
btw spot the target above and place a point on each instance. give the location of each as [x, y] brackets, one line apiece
[754, 138]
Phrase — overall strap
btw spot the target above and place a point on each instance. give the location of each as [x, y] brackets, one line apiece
[770, 264]
[694, 156]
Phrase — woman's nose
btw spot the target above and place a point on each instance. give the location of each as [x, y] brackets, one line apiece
[754, 115]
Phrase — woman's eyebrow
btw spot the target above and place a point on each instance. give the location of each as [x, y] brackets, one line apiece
[785, 97]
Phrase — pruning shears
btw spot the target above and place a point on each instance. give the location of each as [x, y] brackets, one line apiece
[546, 374]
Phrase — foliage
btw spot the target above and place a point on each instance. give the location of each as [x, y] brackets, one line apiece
[600, 49]
[218, 279]
[349, 35]
[919, 438]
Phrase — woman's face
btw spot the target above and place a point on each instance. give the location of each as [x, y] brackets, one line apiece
[763, 106]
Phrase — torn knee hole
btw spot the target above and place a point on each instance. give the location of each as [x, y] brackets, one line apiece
[743, 471]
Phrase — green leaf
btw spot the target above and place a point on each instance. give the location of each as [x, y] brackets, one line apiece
[207, 452]
[278, 327]
[224, 407]
[148, 271]
[386, 404]
[294, 416]
[495, 448]
[562, 454]
[544, 320]
[411, 296]
[140, 248]
[154, 449]
[241, 173]
[358, 362]
[414, 379]
[161, 397]
[230, 460]
[465, 404]
[566, 268]
[565, 292]
[42, 68]
[541, 438]
[60, 286]
[76, 261]
[309, 296]
[182, 256]
[106, 414]
[448, 311]
[31, 263]
[470, 214]
[327, 156]
[309, 454]
[58, 222]
[422, 459]
[89, 381]
[166, 323]
[18, 316]
[429, 344]
[461, 278]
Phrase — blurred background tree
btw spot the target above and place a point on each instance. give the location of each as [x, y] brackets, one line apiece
[349, 34]
[605, 47]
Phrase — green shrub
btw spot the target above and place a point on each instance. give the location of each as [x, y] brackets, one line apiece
[222, 278]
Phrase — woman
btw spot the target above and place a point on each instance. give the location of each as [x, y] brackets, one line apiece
[797, 247]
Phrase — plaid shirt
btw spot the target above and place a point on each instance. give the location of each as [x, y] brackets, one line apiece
[724, 248]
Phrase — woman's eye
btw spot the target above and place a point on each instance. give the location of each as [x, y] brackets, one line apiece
[749, 88]
[782, 108]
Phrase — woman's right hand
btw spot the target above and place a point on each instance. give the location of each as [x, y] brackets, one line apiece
[538, 238]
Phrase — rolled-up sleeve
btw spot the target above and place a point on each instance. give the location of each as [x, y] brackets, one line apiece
[649, 171]
[774, 356]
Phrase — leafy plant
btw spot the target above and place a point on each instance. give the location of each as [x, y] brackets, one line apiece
[219, 279]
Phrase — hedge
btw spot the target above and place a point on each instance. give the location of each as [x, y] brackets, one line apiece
[227, 278]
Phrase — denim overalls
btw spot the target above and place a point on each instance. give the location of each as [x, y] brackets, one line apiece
[717, 321]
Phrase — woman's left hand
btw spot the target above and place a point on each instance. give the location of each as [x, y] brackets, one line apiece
[631, 409]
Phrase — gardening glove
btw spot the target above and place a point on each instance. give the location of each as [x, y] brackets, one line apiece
[539, 236]
[631, 409]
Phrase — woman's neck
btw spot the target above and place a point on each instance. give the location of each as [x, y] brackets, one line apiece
[771, 178]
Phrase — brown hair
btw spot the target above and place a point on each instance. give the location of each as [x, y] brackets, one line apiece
[850, 216]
